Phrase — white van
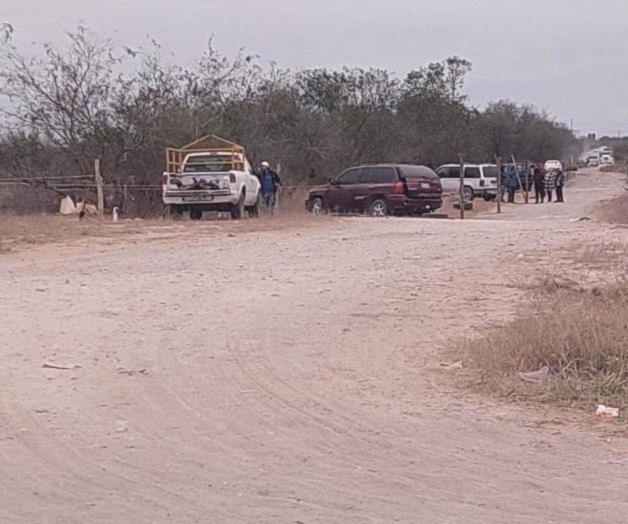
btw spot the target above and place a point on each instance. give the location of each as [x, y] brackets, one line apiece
[553, 165]
[479, 180]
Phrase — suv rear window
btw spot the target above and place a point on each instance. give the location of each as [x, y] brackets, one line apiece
[490, 171]
[378, 175]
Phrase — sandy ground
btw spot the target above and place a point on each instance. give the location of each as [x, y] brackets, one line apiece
[286, 376]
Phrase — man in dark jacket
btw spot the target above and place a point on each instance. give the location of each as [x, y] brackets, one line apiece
[539, 189]
[511, 182]
[269, 182]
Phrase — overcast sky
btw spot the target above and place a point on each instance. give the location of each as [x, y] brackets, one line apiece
[566, 56]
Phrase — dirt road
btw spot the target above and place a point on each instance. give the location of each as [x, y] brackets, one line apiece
[286, 376]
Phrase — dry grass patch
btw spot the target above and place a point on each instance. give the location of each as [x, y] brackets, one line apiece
[580, 335]
[615, 211]
[18, 233]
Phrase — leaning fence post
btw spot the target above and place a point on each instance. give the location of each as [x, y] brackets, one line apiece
[99, 190]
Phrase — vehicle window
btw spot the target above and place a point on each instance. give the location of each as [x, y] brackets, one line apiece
[350, 176]
[471, 172]
[454, 172]
[449, 172]
[209, 163]
[378, 175]
[490, 171]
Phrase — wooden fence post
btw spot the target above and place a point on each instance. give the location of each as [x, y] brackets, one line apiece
[527, 188]
[498, 161]
[99, 189]
[462, 201]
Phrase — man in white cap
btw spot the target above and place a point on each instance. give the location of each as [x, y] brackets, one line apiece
[269, 182]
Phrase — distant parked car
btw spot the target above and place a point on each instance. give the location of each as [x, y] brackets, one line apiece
[379, 190]
[479, 180]
[593, 161]
[552, 165]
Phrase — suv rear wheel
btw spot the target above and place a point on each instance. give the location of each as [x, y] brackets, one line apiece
[378, 207]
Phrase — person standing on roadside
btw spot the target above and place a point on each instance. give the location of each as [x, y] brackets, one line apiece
[549, 183]
[270, 183]
[511, 183]
[560, 184]
[539, 187]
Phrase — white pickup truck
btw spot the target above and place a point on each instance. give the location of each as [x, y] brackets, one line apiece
[211, 174]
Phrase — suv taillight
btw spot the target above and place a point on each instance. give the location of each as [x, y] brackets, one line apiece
[164, 179]
[232, 178]
[398, 188]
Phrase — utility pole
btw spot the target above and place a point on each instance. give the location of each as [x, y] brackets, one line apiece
[462, 202]
[498, 161]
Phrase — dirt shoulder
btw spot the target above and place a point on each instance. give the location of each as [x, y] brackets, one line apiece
[289, 376]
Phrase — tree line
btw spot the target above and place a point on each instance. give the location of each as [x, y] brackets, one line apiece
[65, 105]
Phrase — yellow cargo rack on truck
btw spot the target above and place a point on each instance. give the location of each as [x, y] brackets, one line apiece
[207, 144]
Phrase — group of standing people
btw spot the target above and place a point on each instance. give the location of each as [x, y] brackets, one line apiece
[545, 184]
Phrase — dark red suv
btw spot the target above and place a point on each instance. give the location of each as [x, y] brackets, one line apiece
[379, 190]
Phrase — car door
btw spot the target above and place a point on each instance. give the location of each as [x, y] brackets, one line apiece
[342, 190]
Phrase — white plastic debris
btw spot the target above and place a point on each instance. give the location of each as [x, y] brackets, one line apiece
[607, 411]
[67, 206]
[535, 376]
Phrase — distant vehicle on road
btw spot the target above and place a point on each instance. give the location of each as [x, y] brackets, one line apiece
[379, 190]
[607, 160]
[593, 161]
[479, 180]
[553, 165]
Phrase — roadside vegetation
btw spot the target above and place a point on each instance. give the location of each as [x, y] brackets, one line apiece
[65, 105]
[570, 344]
[615, 211]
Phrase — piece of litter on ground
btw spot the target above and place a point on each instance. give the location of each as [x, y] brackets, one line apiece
[581, 219]
[535, 376]
[54, 366]
[607, 411]
[455, 365]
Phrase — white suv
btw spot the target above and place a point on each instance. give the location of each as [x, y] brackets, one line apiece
[479, 180]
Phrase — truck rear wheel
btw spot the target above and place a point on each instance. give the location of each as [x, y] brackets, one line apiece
[237, 210]
[254, 209]
[175, 212]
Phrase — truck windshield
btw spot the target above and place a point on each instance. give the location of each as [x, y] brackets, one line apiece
[208, 164]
